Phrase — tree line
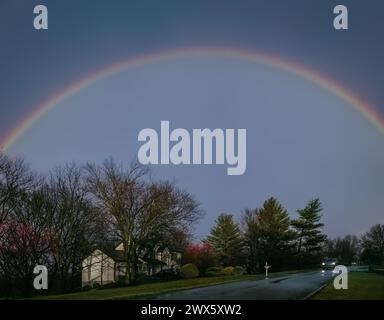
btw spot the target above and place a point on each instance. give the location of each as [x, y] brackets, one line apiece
[58, 219]
[268, 235]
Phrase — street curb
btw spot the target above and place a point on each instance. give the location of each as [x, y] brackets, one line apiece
[316, 291]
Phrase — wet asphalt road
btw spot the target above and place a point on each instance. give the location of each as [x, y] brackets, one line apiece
[291, 287]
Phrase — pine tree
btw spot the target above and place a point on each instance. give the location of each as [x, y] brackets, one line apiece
[226, 240]
[310, 239]
[275, 236]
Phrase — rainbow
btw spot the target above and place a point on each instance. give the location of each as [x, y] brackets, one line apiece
[359, 105]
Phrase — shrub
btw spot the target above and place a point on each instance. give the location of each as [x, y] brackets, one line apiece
[188, 271]
[96, 285]
[376, 268]
[214, 272]
[228, 271]
[201, 255]
[108, 286]
[216, 269]
[239, 270]
[142, 277]
[169, 274]
[122, 281]
[86, 288]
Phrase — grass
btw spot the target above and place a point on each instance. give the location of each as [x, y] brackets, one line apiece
[361, 286]
[152, 289]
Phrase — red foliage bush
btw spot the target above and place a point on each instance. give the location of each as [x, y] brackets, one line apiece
[201, 255]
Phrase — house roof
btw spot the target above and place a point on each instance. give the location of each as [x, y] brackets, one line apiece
[117, 254]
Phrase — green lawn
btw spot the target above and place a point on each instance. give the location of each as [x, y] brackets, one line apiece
[361, 286]
[150, 289]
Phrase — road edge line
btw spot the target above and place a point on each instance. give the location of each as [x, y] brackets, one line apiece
[315, 291]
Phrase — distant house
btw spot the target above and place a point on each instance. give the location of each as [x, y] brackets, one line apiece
[101, 268]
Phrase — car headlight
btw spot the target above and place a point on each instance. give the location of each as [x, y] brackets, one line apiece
[333, 263]
[323, 263]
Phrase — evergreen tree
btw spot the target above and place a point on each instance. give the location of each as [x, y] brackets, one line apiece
[268, 236]
[276, 236]
[373, 245]
[310, 239]
[252, 240]
[225, 239]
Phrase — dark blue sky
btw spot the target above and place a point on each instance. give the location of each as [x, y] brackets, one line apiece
[86, 35]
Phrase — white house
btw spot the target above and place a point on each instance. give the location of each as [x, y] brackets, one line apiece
[102, 268]
[98, 268]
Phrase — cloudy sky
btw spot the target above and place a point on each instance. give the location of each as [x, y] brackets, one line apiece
[302, 141]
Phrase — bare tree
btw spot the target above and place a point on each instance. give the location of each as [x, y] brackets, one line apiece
[60, 219]
[346, 249]
[76, 226]
[24, 244]
[23, 240]
[15, 179]
[373, 245]
[142, 212]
